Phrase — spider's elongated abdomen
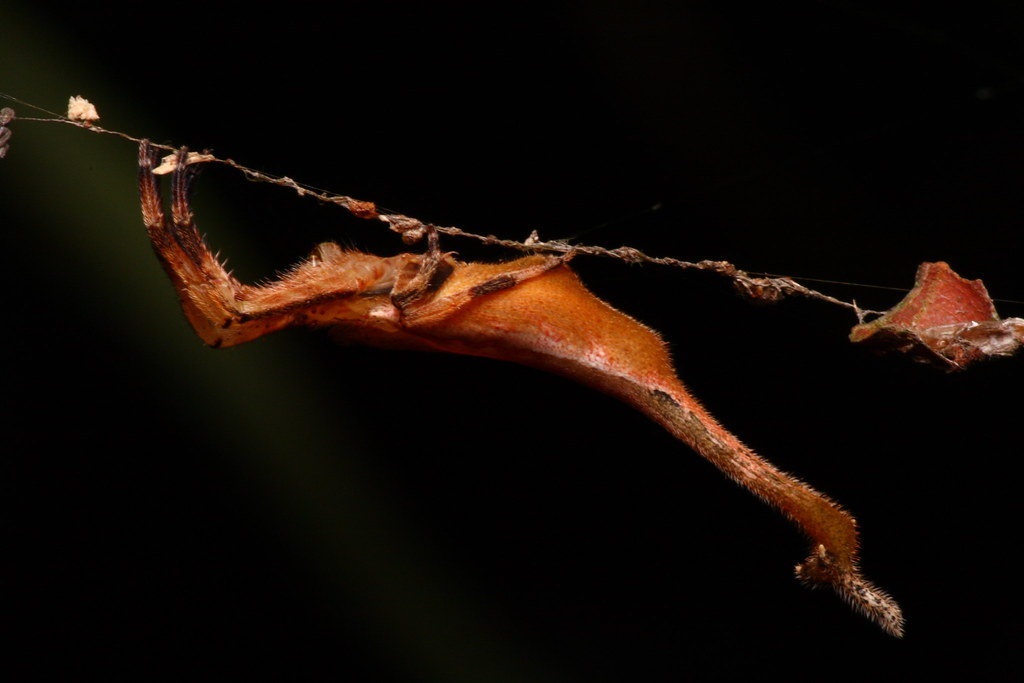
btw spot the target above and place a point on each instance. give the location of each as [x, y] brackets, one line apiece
[554, 323]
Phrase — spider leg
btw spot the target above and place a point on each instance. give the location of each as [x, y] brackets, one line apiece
[225, 312]
[434, 268]
[469, 282]
[178, 244]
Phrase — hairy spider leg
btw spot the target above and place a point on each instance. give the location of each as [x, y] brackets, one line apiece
[333, 286]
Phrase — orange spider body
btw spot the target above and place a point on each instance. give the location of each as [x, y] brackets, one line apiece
[532, 311]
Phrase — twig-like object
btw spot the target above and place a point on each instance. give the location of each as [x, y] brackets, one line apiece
[767, 289]
[412, 230]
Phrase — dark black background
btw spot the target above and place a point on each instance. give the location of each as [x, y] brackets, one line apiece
[291, 508]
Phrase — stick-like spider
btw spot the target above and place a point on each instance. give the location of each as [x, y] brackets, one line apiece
[532, 310]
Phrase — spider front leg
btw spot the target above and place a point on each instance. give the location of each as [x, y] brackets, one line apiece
[333, 287]
[443, 287]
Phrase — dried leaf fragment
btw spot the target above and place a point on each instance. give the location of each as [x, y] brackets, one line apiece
[945, 320]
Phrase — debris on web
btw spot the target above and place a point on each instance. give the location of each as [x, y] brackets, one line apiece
[169, 162]
[6, 116]
[82, 110]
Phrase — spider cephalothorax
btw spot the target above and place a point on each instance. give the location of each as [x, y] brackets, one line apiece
[533, 311]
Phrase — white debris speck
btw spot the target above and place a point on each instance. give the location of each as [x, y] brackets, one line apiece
[81, 109]
[169, 162]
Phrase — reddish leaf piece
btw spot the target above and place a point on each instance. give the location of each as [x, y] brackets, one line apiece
[945, 321]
